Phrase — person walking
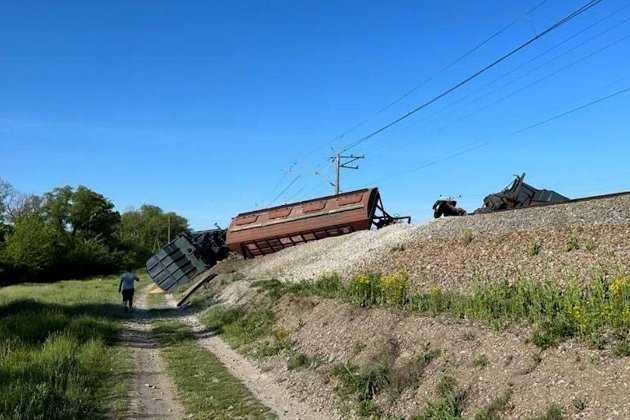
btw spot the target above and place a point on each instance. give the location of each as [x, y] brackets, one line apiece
[126, 287]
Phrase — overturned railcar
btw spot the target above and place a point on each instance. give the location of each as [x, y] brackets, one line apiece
[269, 230]
[518, 195]
[185, 257]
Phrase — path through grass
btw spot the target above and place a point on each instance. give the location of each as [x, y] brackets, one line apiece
[206, 388]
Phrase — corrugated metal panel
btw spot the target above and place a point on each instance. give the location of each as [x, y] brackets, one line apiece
[174, 264]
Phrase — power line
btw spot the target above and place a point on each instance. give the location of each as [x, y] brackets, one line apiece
[556, 25]
[514, 133]
[284, 190]
[535, 82]
[418, 86]
[432, 77]
[434, 118]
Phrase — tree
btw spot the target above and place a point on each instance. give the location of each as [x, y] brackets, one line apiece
[82, 212]
[146, 230]
[30, 246]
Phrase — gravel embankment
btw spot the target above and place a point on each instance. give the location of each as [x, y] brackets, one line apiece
[434, 253]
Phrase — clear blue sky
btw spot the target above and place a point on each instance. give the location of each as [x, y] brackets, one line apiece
[197, 107]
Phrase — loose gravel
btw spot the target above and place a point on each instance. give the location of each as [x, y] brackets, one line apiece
[436, 254]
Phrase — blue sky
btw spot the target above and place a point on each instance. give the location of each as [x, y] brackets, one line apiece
[198, 107]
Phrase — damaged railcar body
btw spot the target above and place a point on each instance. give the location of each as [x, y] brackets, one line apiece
[518, 195]
[269, 230]
[185, 257]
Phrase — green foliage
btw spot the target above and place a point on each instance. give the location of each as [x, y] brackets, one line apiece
[365, 383]
[553, 412]
[558, 313]
[578, 403]
[467, 236]
[481, 361]
[590, 245]
[363, 289]
[371, 289]
[534, 248]
[71, 232]
[209, 392]
[450, 402]
[298, 360]
[397, 248]
[145, 230]
[493, 410]
[239, 327]
[329, 284]
[572, 243]
[30, 246]
[622, 349]
[59, 353]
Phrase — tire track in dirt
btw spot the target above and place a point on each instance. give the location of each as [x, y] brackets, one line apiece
[262, 386]
[152, 394]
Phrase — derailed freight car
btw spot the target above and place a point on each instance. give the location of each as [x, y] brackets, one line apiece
[265, 231]
[269, 230]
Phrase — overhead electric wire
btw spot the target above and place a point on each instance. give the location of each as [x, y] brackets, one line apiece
[528, 86]
[284, 190]
[551, 28]
[431, 78]
[423, 83]
[547, 76]
[432, 118]
[514, 133]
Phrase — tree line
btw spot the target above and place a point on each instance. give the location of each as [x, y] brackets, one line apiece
[74, 232]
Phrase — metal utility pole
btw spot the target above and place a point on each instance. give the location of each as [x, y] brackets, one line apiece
[169, 229]
[341, 164]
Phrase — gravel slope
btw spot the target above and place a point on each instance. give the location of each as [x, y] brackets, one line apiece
[435, 254]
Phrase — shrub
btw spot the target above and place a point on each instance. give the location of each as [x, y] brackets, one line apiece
[364, 289]
[298, 361]
[534, 248]
[397, 248]
[481, 361]
[329, 284]
[571, 243]
[394, 289]
[467, 236]
[449, 405]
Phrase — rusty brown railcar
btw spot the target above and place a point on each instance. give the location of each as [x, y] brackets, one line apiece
[269, 230]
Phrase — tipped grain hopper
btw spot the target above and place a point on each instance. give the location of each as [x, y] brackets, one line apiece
[265, 231]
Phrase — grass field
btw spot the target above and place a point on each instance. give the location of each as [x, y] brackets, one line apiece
[59, 352]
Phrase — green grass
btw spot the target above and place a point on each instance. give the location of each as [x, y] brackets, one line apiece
[553, 412]
[297, 361]
[496, 407]
[481, 361]
[586, 312]
[206, 388]
[534, 248]
[239, 327]
[156, 300]
[448, 405]
[59, 352]
[364, 384]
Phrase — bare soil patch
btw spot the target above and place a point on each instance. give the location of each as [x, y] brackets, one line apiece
[152, 395]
